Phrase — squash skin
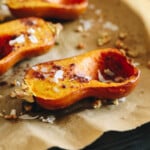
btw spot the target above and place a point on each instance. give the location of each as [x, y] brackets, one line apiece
[27, 48]
[53, 95]
[63, 9]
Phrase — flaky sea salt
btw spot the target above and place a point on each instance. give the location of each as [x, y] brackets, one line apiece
[35, 68]
[123, 99]
[87, 24]
[44, 69]
[20, 39]
[58, 75]
[49, 119]
[33, 39]
[13, 112]
[109, 25]
[31, 31]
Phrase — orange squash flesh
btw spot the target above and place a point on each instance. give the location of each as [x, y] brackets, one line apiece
[24, 38]
[57, 9]
[105, 74]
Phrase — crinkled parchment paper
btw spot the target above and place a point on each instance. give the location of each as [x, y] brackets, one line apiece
[79, 129]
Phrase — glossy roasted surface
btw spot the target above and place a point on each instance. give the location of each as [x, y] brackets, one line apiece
[56, 9]
[24, 38]
[103, 73]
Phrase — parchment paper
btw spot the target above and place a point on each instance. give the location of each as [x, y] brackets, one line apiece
[79, 129]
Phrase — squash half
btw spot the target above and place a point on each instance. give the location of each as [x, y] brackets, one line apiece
[24, 38]
[56, 9]
[104, 74]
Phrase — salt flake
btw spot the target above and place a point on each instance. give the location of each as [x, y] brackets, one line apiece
[109, 25]
[31, 31]
[20, 39]
[58, 75]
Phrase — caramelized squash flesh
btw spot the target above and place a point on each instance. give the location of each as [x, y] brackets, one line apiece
[105, 74]
[24, 38]
[56, 9]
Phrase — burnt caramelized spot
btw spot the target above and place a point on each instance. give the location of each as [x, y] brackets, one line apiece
[114, 65]
[63, 86]
[38, 75]
[56, 67]
[5, 48]
[28, 21]
[72, 66]
[79, 78]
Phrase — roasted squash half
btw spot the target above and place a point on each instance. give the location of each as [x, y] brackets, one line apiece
[57, 9]
[105, 74]
[24, 38]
